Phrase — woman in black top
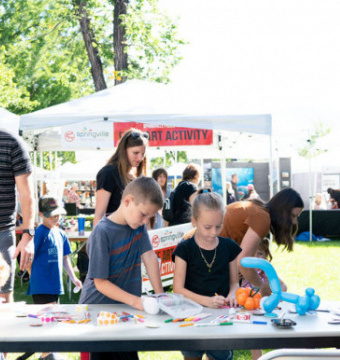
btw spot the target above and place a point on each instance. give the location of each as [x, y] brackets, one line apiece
[184, 195]
[127, 163]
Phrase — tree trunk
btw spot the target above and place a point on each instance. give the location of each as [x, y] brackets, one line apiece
[92, 51]
[119, 40]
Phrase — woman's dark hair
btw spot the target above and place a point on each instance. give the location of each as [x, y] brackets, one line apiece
[190, 172]
[334, 194]
[280, 208]
[131, 138]
[158, 172]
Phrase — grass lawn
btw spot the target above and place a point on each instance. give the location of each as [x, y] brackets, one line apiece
[309, 265]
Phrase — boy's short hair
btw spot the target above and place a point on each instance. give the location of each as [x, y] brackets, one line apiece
[49, 206]
[145, 189]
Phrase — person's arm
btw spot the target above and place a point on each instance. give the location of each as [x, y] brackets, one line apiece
[249, 245]
[179, 288]
[234, 285]
[102, 202]
[25, 246]
[69, 269]
[150, 261]
[192, 197]
[114, 292]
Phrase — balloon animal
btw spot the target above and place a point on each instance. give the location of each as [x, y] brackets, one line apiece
[309, 301]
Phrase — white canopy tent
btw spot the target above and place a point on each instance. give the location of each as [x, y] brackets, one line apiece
[144, 102]
[149, 103]
[9, 121]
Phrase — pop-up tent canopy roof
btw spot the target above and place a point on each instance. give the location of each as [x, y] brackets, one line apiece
[9, 121]
[144, 102]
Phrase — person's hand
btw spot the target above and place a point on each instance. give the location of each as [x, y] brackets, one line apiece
[77, 283]
[215, 301]
[231, 300]
[26, 249]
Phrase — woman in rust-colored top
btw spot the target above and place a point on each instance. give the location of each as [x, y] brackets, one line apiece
[248, 222]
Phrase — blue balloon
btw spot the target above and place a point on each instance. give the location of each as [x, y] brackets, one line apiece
[309, 301]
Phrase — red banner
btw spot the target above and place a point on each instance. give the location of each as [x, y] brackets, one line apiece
[167, 136]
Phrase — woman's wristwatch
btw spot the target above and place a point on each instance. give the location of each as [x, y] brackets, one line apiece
[30, 232]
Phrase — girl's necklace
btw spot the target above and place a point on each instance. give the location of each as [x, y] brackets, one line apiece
[209, 266]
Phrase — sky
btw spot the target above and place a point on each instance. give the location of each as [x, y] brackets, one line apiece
[267, 56]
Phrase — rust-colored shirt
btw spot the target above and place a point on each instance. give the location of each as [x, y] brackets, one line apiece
[240, 216]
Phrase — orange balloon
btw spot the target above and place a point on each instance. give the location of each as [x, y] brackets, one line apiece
[249, 289]
[241, 290]
[257, 296]
[241, 298]
[256, 302]
[249, 304]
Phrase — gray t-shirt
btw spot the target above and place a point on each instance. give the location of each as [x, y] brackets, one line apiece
[115, 254]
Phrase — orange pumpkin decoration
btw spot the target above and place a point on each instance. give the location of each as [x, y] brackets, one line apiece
[248, 297]
[249, 304]
[241, 298]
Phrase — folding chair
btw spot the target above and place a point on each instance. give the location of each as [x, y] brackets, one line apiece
[301, 354]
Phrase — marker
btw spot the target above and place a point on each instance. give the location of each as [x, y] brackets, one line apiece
[33, 316]
[202, 316]
[188, 324]
[178, 319]
[214, 324]
[217, 319]
[168, 320]
[251, 322]
[189, 319]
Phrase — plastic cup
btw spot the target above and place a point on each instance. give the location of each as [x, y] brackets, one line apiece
[81, 225]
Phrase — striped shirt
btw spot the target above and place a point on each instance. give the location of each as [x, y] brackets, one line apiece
[14, 161]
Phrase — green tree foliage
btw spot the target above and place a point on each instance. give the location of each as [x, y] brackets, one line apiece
[44, 50]
[170, 159]
[311, 150]
[153, 43]
[47, 160]
[43, 56]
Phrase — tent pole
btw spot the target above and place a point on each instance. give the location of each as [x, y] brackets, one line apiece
[223, 174]
[271, 188]
[310, 189]
[35, 181]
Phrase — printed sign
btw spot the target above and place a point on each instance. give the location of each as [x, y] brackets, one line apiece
[167, 136]
[85, 135]
[164, 242]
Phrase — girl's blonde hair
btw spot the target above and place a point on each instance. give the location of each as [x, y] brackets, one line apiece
[131, 138]
[208, 199]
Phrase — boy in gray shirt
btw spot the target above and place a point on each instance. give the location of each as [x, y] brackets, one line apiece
[116, 247]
